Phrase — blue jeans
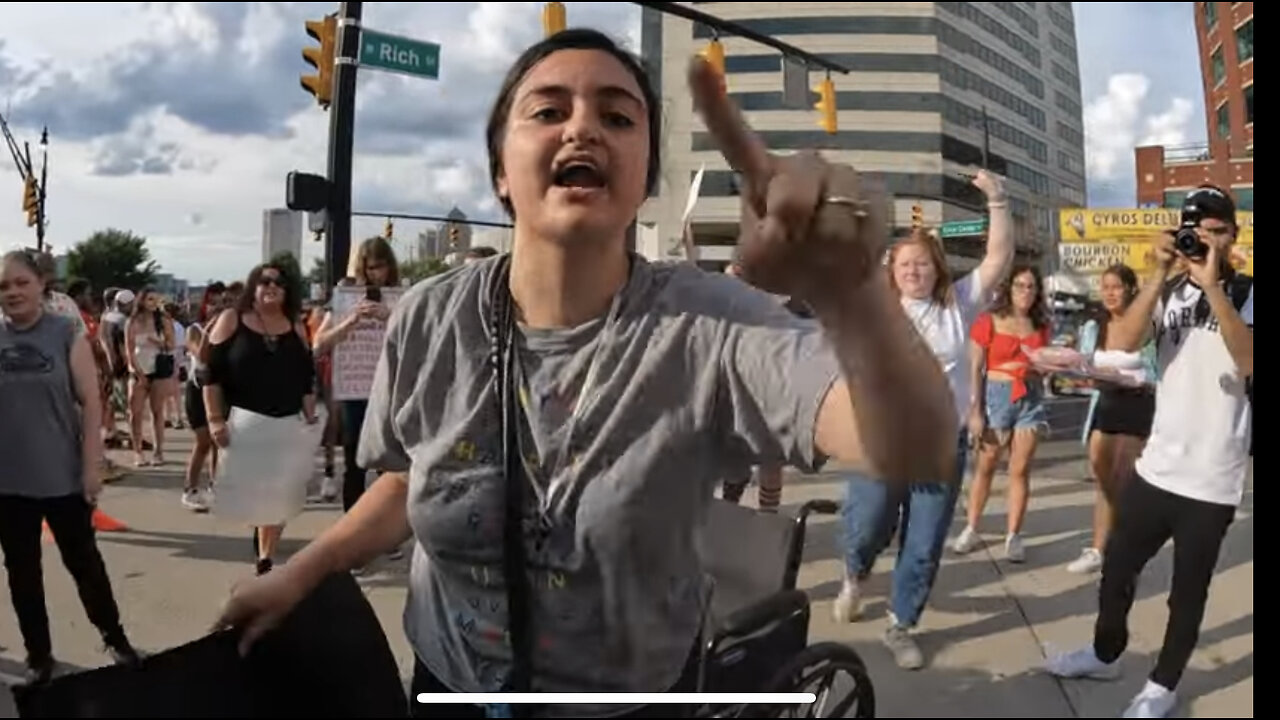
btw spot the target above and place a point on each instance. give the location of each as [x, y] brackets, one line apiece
[870, 513]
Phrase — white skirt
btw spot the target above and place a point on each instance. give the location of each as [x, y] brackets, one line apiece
[263, 472]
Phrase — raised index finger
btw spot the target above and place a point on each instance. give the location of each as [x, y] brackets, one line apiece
[741, 147]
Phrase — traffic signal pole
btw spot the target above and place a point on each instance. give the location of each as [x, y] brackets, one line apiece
[342, 131]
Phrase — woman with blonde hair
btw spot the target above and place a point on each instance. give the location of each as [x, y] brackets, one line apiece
[943, 311]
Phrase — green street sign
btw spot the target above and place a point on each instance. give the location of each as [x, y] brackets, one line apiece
[963, 228]
[399, 54]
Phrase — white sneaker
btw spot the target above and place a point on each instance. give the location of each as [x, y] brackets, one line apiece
[1013, 549]
[967, 541]
[906, 652]
[329, 489]
[1090, 561]
[848, 605]
[1082, 663]
[194, 501]
[1155, 701]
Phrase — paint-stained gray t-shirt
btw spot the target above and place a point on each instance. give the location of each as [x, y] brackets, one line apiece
[698, 373]
[39, 411]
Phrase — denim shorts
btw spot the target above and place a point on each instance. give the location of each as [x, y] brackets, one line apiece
[1004, 414]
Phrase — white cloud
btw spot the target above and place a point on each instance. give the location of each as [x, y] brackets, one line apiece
[1118, 121]
[209, 93]
[196, 188]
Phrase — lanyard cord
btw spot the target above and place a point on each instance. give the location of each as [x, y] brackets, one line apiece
[515, 578]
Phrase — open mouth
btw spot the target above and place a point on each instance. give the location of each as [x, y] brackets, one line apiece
[580, 176]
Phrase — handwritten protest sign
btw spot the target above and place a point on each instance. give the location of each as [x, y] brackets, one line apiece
[356, 358]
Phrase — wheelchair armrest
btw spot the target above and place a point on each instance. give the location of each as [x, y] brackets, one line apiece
[753, 617]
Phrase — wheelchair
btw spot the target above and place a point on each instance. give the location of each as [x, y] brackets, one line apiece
[755, 634]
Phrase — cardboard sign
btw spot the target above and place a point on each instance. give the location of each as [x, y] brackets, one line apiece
[355, 359]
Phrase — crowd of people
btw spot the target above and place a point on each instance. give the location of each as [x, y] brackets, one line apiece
[569, 409]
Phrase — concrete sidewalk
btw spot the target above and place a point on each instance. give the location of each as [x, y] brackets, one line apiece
[983, 634]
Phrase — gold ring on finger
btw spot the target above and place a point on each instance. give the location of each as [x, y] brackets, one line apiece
[859, 207]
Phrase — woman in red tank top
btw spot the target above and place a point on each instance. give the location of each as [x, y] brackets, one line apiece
[1008, 401]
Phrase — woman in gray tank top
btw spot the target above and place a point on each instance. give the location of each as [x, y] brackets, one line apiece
[48, 386]
[605, 395]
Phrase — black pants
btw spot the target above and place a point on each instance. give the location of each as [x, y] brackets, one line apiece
[353, 476]
[70, 520]
[1147, 517]
[425, 682]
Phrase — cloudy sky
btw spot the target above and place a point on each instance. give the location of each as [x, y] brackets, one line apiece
[179, 120]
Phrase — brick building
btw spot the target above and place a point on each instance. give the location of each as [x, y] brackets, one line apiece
[1224, 31]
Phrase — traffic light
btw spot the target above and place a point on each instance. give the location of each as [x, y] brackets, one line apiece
[321, 58]
[388, 230]
[553, 18]
[917, 216]
[714, 55]
[454, 234]
[31, 201]
[826, 106]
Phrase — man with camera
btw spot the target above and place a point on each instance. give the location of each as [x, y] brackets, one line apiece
[1190, 477]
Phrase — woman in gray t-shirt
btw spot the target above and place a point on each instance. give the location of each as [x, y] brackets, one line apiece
[51, 461]
[604, 395]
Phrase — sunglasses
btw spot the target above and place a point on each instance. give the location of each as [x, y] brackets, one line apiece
[271, 280]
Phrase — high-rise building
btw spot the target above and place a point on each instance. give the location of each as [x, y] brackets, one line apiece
[1224, 31]
[924, 77]
[281, 233]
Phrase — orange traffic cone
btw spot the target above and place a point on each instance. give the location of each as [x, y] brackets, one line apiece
[102, 522]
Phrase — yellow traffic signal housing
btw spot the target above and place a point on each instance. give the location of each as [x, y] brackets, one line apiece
[826, 106]
[31, 201]
[454, 235]
[917, 216]
[713, 53]
[388, 230]
[321, 58]
[553, 18]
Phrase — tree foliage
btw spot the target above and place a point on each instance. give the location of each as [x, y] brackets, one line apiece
[113, 258]
[417, 270]
[318, 272]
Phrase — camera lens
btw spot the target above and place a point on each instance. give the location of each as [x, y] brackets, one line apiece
[1189, 243]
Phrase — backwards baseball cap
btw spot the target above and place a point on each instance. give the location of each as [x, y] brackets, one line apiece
[1209, 201]
[124, 297]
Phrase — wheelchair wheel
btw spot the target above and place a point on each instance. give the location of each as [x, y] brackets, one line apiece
[819, 670]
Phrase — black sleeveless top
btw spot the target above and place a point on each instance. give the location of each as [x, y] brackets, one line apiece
[268, 375]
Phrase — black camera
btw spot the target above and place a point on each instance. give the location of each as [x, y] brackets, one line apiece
[1186, 240]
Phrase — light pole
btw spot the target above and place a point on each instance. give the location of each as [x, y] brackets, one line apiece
[41, 217]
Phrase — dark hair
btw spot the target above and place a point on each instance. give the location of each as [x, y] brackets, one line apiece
[217, 286]
[1129, 279]
[292, 303]
[377, 248]
[77, 288]
[138, 303]
[571, 39]
[1039, 311]
[483, 251]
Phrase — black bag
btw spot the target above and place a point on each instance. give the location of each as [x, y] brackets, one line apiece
[164, 361]
[164, 367]
[329, 658]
